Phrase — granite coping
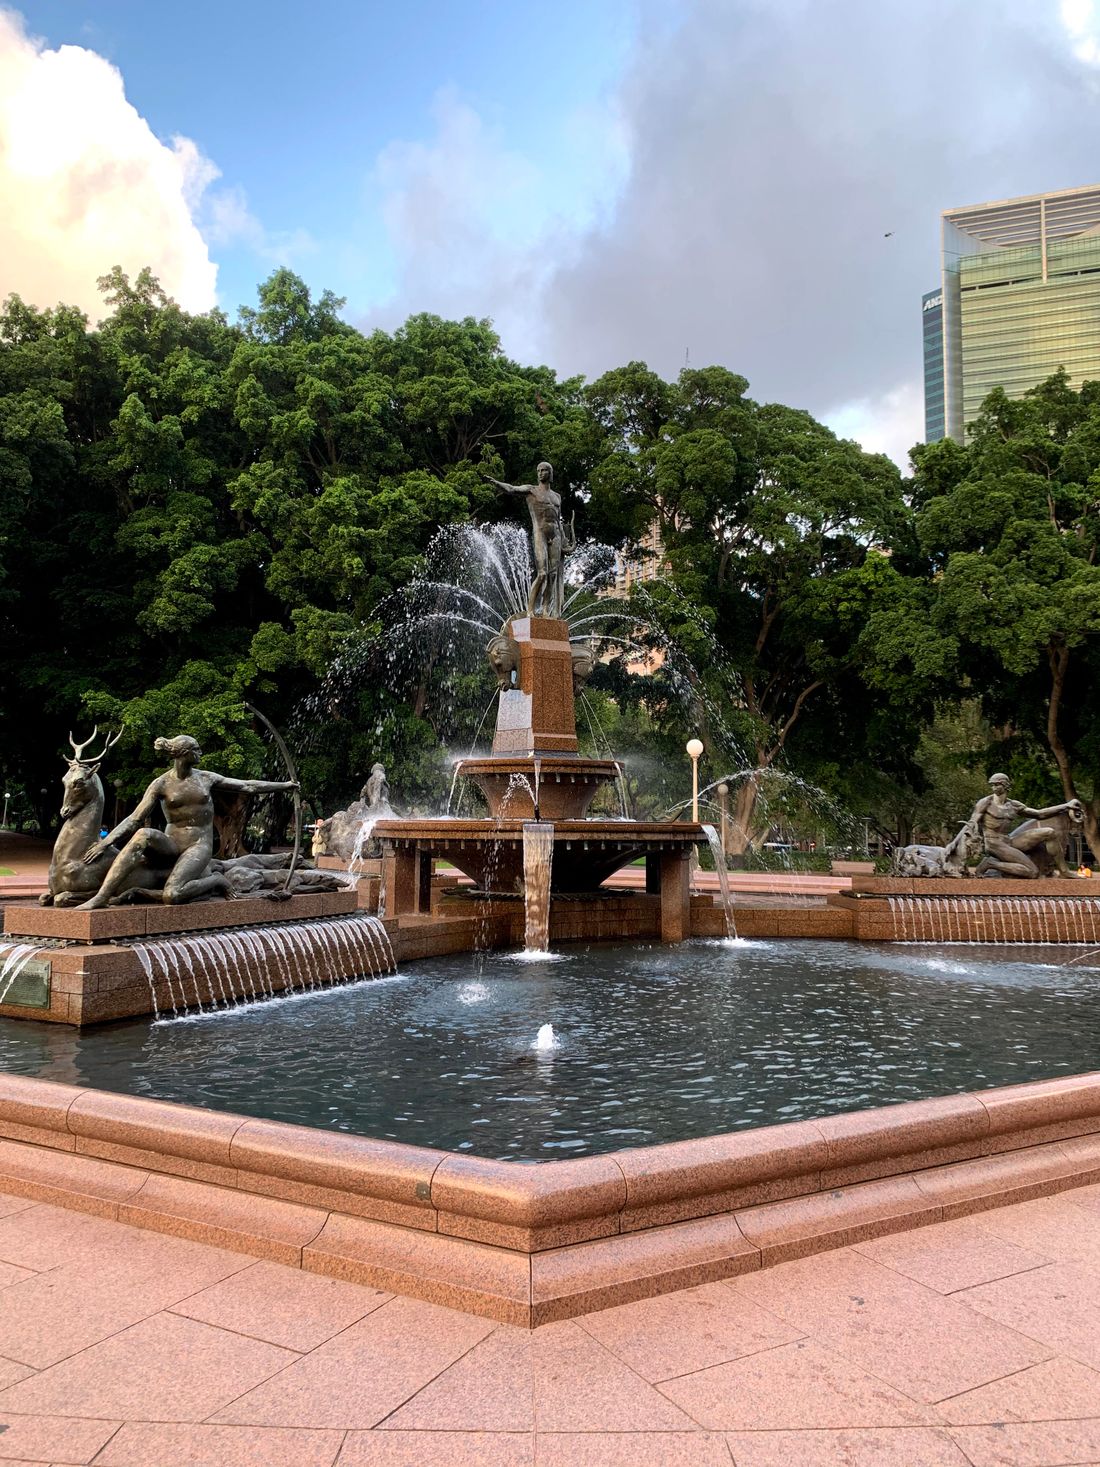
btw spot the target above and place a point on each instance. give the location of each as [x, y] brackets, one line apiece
[104, 924]
[293, 1195]
[1077, 888]
[521, 1205]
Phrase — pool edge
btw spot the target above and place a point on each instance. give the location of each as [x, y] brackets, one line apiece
[529, 1244]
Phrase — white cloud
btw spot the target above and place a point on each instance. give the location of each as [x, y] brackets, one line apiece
[476, 227]
[891, 422]
[86, 185]
[1082, 25]
[227, 219]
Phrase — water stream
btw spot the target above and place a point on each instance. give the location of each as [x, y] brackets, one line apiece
[538, 859]
[220, 970]
[715, 843]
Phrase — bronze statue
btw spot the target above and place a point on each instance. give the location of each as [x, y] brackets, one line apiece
[265, 876]
[550, 538]
[503, 655]
[948, 860]
[178, 858]
[1007, 844]
[376, 793]
[71, 878]
[343, 833]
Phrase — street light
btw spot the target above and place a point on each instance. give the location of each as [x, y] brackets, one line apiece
[694, 748]
[7, 798]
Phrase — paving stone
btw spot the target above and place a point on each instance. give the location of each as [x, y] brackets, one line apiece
[282, 1305]
[359, 1377]
[163, 1369]
[923, 1343]
[155, 1445]
[913, 1447]
[686, 1331]
[52, 1438]
[790, 1387]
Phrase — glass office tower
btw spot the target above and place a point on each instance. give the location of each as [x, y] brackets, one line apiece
[1020, 298]
[931, 309]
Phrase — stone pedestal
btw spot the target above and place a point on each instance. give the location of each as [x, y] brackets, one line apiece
[538, 716]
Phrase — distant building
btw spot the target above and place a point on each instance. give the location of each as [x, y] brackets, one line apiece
[649, 565]
[931, 307]
[1019, 298]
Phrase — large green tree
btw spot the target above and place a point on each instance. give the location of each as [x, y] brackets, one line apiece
[1010, 608]
[772, 529]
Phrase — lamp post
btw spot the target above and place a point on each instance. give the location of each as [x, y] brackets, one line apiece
[694, 748]
[7, 800]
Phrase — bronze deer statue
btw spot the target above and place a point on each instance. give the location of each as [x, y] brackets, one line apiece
[70, 880]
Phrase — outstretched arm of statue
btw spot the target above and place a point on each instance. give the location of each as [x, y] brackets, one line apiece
[518, 489]
[1070, 807]
[256, 786]
[125, 828]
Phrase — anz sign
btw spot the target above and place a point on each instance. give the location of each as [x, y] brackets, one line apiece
[933, 301]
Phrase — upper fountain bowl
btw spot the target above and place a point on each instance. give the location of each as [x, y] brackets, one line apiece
[538, 786]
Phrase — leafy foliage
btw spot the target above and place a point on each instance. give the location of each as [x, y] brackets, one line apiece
[195, 512]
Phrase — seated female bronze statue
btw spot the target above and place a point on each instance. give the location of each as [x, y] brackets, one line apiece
[174, 863]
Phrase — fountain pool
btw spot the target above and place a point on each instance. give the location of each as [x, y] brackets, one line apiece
[650, 1043]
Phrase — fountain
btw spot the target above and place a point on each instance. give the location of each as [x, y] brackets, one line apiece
[537, 776]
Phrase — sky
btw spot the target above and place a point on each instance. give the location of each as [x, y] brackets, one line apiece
[755, 183]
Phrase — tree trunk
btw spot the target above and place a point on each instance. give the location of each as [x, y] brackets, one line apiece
[229, 822]
[1058, 658]
[742, 827]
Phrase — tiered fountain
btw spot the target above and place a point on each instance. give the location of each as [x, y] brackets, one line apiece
[537, 784]
[539, 787]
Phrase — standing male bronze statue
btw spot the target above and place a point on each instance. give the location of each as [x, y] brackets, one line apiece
[549, 540]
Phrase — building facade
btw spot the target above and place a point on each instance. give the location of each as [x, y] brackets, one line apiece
[1019, 298]
[931, 310]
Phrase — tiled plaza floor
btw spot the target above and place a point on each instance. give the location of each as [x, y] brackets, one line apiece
[971, 1342]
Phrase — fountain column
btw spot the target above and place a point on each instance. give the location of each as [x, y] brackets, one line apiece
[538, 716]
[407, 880]
[675, 896]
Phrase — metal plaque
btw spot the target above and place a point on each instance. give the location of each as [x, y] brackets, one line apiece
[31, 989]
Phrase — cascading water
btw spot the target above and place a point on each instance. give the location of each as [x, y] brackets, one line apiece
[538, 857]
[14, 957]
[224, 966]
[545, 1039]
[1000, 919]
[715, 843]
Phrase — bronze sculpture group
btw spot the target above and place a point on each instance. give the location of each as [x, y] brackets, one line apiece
[1005, 837]
[171, 865]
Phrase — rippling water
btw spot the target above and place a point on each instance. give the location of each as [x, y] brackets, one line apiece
[652, 1043]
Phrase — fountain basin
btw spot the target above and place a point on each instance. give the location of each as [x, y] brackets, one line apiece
[529, 1245]
[490, 852]
[565, 784]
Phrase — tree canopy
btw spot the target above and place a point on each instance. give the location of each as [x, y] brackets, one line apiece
[195, 512]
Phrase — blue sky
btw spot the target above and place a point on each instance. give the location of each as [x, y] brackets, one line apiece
[755, 183]
[295, 102]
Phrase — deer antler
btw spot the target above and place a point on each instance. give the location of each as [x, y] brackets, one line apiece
[111, 742]
[78, 749]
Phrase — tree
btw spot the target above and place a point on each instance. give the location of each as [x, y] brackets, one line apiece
[1011, 526]
[770, 526]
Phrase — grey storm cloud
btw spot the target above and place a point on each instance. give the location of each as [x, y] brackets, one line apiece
[774, 146]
